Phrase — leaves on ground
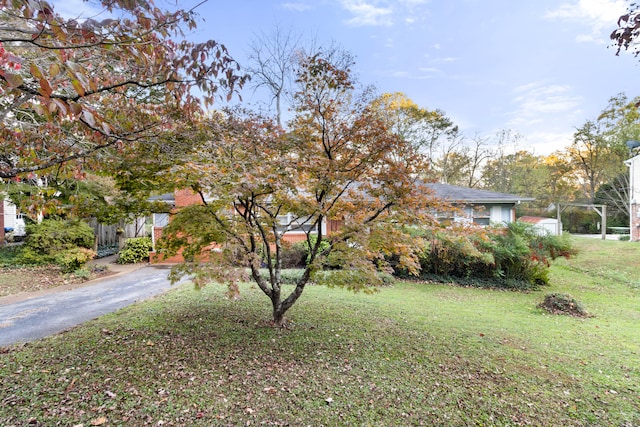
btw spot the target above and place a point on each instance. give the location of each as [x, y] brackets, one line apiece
[30, 279]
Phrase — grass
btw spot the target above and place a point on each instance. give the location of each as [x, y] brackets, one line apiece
[413, 354]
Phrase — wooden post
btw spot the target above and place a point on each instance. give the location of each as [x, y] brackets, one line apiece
[604, 222]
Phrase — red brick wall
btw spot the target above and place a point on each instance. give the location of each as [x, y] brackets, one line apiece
[294, 237]
[187, 198]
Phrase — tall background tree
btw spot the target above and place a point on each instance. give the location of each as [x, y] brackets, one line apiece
[272, 61]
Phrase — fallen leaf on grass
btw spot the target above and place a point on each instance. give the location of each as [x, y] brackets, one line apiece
[99, 421]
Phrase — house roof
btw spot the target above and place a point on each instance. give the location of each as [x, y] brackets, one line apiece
[168, 198]
[454, 193]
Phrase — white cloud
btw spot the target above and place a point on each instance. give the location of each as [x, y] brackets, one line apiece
[540, 104]
[383, 12]
[597, 15]
[367, 13]
[537, 103]
[430, 70]
[535, 98]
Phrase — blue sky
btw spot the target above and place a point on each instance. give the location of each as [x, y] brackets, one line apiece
[537, 67]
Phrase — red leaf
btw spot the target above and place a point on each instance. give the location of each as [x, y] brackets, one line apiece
[45, 88]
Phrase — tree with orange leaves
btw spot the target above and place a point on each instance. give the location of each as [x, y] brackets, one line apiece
[73, 87]
[337, 162]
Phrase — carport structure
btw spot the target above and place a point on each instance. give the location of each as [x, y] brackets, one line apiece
[600, 209]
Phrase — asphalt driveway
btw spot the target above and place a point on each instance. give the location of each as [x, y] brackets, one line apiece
[54, 312]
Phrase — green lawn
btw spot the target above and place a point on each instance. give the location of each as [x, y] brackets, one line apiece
[414, 354]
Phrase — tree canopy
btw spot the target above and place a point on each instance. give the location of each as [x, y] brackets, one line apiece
[337, 164]
[626, 35]
[71, 87]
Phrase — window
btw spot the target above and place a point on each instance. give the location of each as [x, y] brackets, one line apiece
[289, 222]
[481, 214]
[160, 219]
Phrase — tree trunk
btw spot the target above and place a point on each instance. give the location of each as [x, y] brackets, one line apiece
[278, 313]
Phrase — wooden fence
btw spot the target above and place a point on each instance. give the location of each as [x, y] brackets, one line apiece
[115, 234]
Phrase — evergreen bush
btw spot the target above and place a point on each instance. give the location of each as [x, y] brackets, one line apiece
[65, 242]
[136, 249]
[516, 256]
[73, 259]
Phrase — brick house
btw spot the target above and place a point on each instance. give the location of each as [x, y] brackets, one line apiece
[481, 207]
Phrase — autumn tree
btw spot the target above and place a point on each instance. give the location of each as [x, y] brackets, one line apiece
[73, 87]
[339, 179]
[426, 130]
[462, 159]
[619, 123]
[516, 173]
[596, 158]
[561, 184]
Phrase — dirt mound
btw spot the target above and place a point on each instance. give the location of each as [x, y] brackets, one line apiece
[563, 304]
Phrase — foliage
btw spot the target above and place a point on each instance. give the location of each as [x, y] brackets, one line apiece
[516, 256]
[9, 255]
[73, 259]
[338, 164]
[455, 252]
[294, 255]
[310, 244]
[136, 249]
[49, 241]
[73, 87]
[556, 303]
[426, 130]
[518, 173]
[597, 157]
[626, 35]
[106, 250]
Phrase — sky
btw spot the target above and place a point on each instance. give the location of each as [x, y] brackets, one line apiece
[540, 68]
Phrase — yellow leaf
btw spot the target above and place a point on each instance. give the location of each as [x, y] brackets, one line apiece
[99, 421]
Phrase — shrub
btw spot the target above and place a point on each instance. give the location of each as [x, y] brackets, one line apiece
[455, 252]
[307, 245]
[563, 304]
[514, 257]
[54, 235]
[82, 273]
[386, 279]
[289, 276]
[294, 255]
[106, 250]
[136, 249]
[57, 241]
[8, 255]
[73, 259]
